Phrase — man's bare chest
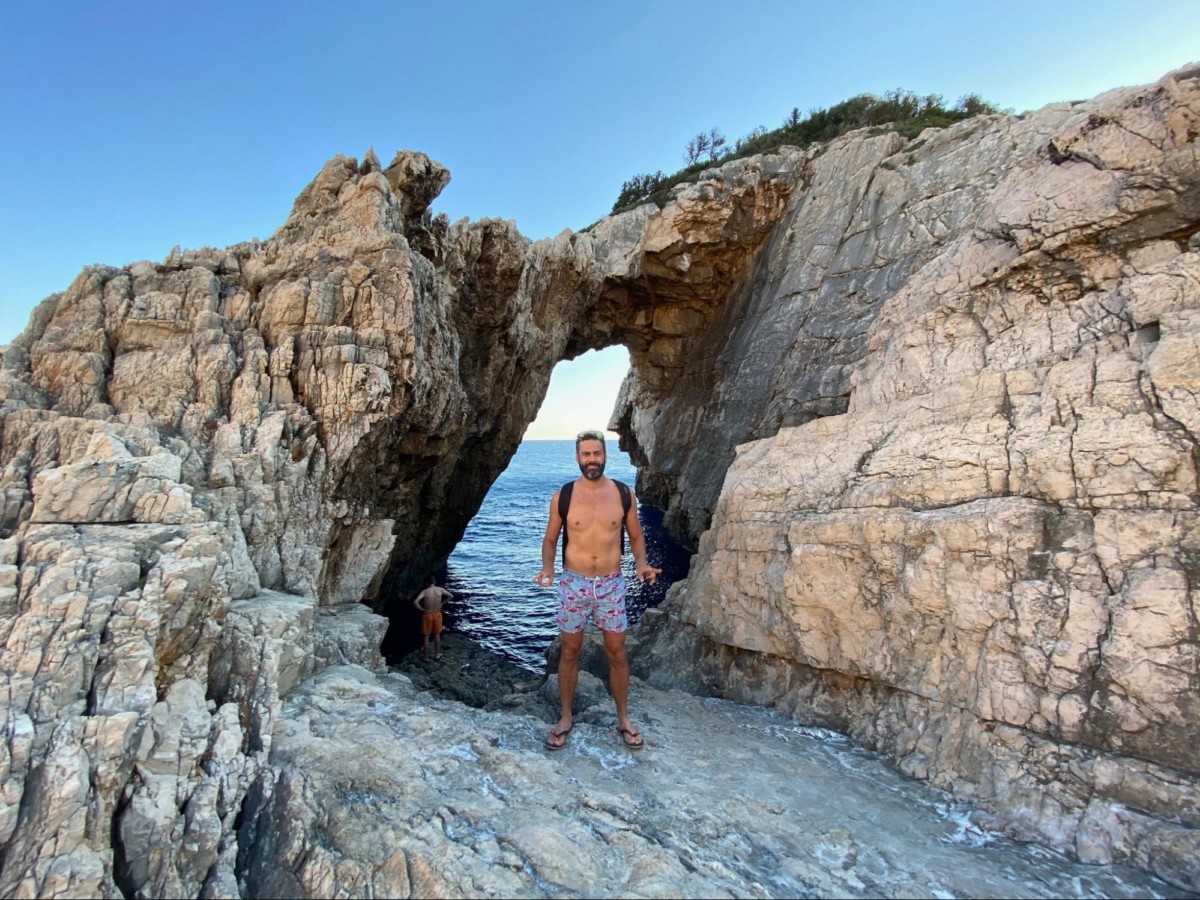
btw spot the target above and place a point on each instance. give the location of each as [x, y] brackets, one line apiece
[600, 514]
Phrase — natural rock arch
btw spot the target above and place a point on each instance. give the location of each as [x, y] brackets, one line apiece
[390, 360]
[651, 280]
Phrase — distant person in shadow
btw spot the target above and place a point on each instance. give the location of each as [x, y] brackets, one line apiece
[593, 513]
[429, 602]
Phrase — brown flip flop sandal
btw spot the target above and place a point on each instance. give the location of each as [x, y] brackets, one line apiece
[557, 734]
[631, 739]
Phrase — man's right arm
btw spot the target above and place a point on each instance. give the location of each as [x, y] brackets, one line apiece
[545, 578]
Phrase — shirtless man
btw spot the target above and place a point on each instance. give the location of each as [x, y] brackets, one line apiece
[429, 602]
[591, 584]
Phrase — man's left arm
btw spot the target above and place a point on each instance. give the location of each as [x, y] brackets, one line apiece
[637, 543]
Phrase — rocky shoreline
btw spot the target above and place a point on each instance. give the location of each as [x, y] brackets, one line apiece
[467, 673]
[389, 790]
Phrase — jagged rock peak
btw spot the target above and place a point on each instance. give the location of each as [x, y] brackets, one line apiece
[395, 199]
[417, 180]
[370, 162]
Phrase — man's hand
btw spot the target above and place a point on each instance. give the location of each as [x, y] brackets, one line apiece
[544, 578]
[647, 572]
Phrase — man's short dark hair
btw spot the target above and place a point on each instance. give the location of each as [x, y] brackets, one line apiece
[589, 436]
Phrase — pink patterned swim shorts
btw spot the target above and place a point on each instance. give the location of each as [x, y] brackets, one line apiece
[581, 597]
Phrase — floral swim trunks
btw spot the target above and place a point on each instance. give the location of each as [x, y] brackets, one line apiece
[581, 597]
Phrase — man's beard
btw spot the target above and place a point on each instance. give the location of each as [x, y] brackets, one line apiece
[592, 471]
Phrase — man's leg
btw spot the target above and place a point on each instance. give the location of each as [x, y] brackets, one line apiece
[568, 677]
[613, 621]
[618, 674]
[618, 682]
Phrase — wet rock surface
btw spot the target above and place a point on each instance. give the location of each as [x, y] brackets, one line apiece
[388, 790]
[466, 672]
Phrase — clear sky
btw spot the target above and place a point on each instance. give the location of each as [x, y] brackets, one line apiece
[130, 127]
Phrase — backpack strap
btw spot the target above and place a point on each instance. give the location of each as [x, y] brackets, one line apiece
[626, 503]
[564, 504]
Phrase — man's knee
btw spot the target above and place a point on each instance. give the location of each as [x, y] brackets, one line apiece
[615, 651]
[572, 646]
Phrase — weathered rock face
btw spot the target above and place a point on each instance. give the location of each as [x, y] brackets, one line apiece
[876, 216]
[986, 564]
[963, 525]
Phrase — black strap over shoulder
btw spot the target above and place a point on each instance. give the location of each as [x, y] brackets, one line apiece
[564, 504]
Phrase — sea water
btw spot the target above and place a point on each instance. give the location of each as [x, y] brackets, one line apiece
[490, 573]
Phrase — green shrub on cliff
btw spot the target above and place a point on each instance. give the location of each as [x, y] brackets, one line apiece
[907, 112]
[638, 188]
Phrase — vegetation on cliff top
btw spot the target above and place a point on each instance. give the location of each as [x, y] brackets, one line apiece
[907, 112]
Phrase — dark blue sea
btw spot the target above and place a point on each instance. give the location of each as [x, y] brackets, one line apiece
[490, 573]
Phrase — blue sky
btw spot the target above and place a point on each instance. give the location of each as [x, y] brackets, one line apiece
[131, 127]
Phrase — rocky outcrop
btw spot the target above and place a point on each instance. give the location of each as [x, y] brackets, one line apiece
[961, 370]
[878, 216]
[985, 564]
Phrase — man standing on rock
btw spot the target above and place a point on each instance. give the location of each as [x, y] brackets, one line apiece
[429, 602]
[593, 513]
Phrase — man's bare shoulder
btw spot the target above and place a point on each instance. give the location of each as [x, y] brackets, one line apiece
[554, 502]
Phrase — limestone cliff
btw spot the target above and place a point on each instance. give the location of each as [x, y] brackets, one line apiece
[960, 523]
[985, 564]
